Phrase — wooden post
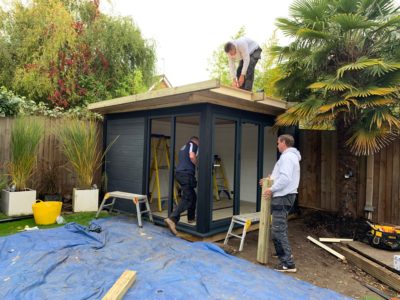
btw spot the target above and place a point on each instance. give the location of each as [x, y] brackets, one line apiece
[121, 286]
[265, 220]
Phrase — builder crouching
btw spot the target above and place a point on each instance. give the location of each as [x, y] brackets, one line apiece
[286, 178]
[185, 175]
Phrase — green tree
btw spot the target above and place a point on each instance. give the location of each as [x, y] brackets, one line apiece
[344, 67]
[269, 71]
[66, 52]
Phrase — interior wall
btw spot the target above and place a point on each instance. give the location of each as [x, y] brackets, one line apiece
[182, 135]
[224, 147]
[161, 128]
[270, 151]
[248, 165]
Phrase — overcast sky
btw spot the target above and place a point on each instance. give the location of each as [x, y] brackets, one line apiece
[187, 32]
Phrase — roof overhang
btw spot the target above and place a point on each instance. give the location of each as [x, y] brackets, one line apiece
[210, 91]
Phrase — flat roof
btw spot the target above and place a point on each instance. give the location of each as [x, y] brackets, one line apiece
[210, 91]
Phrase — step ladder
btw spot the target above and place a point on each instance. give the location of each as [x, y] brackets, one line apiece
[220, 182]
[160, 161]
[245, 220]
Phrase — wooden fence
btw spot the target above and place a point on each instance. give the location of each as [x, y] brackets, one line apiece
[53, 169]
[376, 178]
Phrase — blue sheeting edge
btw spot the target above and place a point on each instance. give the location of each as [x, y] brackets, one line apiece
[72, 263]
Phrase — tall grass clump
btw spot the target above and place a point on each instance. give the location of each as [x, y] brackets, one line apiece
[80, 144]
[26, 135]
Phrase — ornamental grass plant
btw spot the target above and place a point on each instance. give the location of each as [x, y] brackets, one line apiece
[26, 135]
[80, 144]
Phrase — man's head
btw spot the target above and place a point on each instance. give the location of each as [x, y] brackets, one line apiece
[285, 141]
[230, 49]
[195, 140]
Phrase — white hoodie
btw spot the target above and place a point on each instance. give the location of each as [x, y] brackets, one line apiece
[286, 173]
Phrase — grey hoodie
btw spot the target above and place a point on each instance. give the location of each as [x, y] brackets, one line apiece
[286, 173]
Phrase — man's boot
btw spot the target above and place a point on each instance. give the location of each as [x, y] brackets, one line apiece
[171, 226]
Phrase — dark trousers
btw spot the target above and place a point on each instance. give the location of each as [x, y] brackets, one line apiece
[249, 77]
[188, 197]
[280, 207]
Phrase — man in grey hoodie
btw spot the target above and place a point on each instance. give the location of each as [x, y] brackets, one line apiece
[286, 178]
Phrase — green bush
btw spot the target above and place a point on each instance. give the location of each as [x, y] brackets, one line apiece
[9, 103]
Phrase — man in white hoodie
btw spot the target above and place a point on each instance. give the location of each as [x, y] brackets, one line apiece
[286, 178]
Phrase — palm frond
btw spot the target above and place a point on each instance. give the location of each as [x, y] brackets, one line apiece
[352, 21]
[367, 142]
[393, 21]
[310, 34]
[332, 105]
[288, 27]
[371, 102]
[331, 84]
[371, 90]
[380, 67]
[383, 117]
[300, 112]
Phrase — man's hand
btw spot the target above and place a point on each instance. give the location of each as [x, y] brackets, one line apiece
[235, 83]
[268, 193]
[241, 80]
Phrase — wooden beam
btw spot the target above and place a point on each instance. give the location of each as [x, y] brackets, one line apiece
[121, 286]
[205, 85]
[372, 268]
[334, 240]
[330, 250]
[265, 220]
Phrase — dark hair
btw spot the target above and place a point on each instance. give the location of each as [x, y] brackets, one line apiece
[194, 138]
[287, 139]
[228, 46]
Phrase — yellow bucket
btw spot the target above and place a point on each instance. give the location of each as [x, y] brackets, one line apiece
[46, 213]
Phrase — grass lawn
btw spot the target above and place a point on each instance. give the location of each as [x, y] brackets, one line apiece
[12, 227]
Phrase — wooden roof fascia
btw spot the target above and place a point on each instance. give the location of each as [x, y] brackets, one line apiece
[205, 85]
[232, 102]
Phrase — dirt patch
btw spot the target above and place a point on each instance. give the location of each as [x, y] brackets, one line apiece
[314, 264]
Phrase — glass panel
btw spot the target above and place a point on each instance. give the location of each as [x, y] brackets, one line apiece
[270, 151]
[159, 166]
[223, 168]
[186, 127]
[248, 168]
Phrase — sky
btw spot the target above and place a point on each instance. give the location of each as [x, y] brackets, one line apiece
[186, 32]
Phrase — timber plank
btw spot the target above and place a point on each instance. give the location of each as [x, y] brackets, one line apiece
[265, 219]
[121, 286]
[372, 268]
[380, 256]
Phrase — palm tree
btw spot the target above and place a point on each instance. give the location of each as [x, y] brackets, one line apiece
[344, 65]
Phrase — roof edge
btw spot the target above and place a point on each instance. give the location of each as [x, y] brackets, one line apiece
[189, 88]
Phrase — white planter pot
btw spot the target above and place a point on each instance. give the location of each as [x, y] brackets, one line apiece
[17, 203]
[85, 200]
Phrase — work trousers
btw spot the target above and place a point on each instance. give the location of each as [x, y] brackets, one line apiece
[188, 197]
[280, 207]
[249, 77]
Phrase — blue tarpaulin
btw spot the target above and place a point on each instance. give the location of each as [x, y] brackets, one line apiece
[72, 263]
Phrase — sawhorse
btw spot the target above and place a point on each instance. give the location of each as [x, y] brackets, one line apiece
[246, 220]
[136, 198]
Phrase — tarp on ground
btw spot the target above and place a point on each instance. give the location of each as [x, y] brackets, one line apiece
[70, 262]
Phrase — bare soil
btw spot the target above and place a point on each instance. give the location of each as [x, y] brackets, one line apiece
[314, 264]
